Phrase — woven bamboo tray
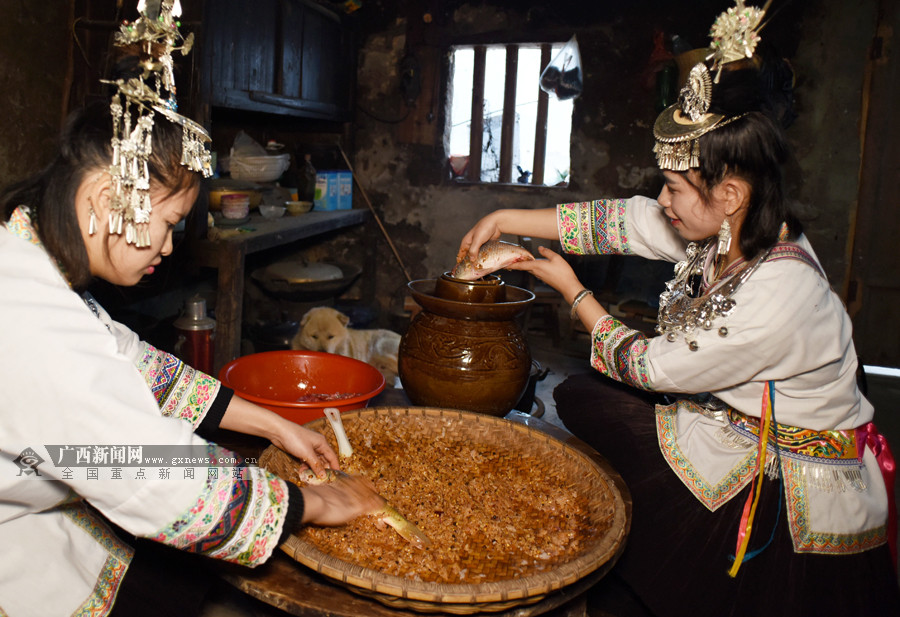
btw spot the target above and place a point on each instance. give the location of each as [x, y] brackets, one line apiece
[605, 504]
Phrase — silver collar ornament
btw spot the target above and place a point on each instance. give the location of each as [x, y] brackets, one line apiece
[685, 312]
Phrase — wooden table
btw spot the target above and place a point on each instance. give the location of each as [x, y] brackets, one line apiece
[228, 254]
[298, 590]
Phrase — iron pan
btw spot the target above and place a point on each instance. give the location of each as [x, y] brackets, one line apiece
[310, 291]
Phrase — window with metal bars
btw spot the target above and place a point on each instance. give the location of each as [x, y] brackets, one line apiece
[502, 127]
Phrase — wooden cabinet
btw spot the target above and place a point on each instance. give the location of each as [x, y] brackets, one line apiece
[288, 57]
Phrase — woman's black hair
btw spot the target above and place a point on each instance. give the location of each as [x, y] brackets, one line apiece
[753, 147]
[85, 147]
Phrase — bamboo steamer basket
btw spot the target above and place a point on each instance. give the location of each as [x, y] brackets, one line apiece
[605, 503]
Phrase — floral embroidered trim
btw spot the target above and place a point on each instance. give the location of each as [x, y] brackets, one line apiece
[180, 390]
[805, 539]
[566, 224]
[567, 228]
[93, 525]
[103, 595]
[19, 224]
[619, 352]
[237, 519]
[593, 227]
[712, 496]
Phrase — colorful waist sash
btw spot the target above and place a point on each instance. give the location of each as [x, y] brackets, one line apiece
[806, 444]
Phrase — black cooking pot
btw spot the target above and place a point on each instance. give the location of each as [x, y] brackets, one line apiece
[526, 403]
[307, 291]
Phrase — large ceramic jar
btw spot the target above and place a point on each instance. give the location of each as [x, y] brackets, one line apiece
[461, 354]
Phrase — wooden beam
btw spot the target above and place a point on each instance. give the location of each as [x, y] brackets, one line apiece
[476, 133]
[540, 129]
[508, 129]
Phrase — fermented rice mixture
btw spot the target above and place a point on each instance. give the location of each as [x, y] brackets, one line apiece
[315, 397]
[491, 513]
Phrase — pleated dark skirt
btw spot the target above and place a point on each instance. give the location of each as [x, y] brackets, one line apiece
[676, 559]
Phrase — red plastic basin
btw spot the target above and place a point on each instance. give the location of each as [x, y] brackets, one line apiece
[276, 380]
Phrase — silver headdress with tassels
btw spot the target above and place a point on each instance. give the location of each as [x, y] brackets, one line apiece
[133, 107]
[679, 127]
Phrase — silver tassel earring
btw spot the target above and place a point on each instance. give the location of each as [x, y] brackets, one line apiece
[724, 238]
[92, 225]
[722, 249]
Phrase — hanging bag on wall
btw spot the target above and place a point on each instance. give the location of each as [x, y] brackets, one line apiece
[562, 76]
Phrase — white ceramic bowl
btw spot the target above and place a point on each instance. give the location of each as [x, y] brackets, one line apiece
[271, 212]
[259, 168]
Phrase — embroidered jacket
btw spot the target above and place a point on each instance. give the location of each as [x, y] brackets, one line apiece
[787, 326]
[77, 385]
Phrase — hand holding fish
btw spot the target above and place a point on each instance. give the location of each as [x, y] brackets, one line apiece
[535, 223]
[552, 269]
[339, 501]
[377, 506]
[486, 229]
[309, 446]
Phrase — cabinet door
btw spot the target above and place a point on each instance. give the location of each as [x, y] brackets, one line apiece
[315, 65]
[239, 50]
[277, 56]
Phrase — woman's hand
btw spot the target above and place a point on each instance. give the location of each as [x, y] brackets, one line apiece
[309, 446]
[556, 272]
[488, 228]
[535, 223]
[340, 501]
[553, 270]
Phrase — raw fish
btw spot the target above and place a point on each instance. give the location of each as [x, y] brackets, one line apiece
[494, 255]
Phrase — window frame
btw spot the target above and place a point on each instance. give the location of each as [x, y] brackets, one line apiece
[472, 174]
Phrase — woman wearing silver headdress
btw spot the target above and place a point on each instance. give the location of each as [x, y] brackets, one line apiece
[751, 340]
[84, 399]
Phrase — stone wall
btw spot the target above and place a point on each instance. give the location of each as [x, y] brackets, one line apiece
[426, 214]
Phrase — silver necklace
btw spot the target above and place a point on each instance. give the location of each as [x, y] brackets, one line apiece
[682, 308]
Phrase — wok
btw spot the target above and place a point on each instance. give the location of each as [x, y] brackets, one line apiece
[307, 291]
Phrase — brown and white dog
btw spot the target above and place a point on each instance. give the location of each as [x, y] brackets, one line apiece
[325, 329]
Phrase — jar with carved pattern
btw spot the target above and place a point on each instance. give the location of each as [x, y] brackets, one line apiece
[465, 349]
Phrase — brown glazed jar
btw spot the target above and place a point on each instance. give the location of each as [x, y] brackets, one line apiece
[466, 355]
[488, 290]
